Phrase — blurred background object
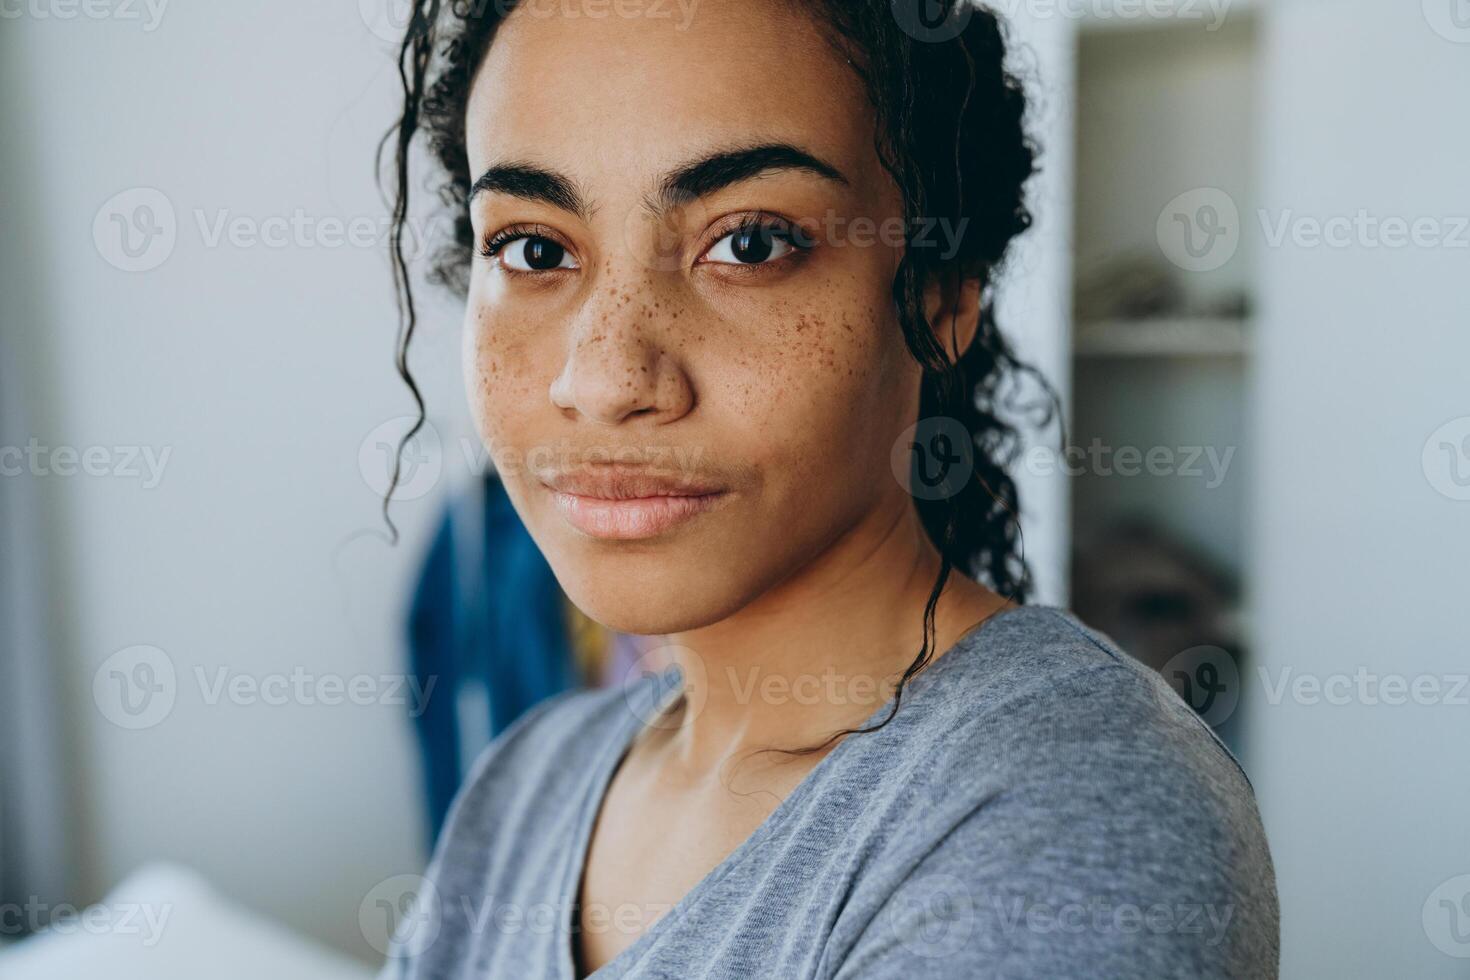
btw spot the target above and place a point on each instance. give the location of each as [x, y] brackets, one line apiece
[1247, 279]
[1160, 344]
[164, 922]
[36, 856]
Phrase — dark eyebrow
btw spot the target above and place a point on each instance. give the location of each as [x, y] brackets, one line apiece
[692, 180]
[722, 168]
[532, 183]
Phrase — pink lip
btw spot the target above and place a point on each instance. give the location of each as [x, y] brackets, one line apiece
[622, 504]
[633, 518]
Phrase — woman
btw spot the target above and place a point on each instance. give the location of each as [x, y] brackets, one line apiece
[720, 261]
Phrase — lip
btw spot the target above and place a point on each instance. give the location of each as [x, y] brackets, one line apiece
[629, 506]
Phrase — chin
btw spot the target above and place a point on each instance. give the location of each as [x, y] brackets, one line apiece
[651, 593]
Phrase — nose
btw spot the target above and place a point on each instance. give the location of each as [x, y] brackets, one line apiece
[617, 367]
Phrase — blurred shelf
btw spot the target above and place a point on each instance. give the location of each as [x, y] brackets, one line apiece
[1171, 337]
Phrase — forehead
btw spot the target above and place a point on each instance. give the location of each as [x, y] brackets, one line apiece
[625, 95]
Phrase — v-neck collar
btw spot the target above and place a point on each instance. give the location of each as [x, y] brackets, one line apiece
[647, 698]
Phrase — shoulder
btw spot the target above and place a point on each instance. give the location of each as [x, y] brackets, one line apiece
[1090, 744]
[1078, 814]
[1065, 700]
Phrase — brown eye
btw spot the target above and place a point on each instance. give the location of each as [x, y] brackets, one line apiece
[751, 245]
[535, 254]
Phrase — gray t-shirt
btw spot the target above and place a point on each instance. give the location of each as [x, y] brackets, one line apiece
[1042, 805]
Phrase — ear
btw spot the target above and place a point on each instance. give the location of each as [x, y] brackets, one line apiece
[952, 305]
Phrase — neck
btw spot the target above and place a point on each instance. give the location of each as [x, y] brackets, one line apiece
[824, 650]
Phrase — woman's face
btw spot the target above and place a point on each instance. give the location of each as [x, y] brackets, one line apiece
[686, 411]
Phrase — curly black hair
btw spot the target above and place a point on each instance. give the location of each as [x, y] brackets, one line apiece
[951, 134]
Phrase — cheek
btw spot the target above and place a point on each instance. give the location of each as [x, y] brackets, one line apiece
[501, 373]
[823, 401]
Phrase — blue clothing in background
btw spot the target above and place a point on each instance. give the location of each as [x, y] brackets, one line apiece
[487, 624]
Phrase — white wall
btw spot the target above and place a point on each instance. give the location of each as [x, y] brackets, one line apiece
[1359, 560]
[1034, 300]
[260, 370]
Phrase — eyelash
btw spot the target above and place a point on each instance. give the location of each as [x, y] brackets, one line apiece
[777, 227]
[497, 242]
